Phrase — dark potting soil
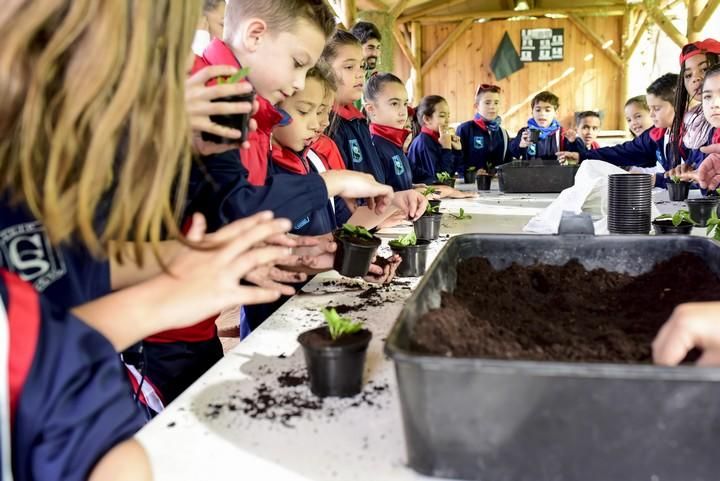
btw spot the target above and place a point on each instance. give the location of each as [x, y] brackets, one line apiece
[381, 261]
[320, 338]
[560, 313]
[359, 240]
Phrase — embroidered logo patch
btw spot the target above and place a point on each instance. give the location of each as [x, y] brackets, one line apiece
[479, 142]
[25, 249]
[302, 223]
[398, 163]
[355, 151]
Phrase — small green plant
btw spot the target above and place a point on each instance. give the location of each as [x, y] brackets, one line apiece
[429, 191]
[339, 326]
[678, 217]
[404, 241]
[472, 168]
[675, 179]
[432, 210]
[461, 215]
[712, 226]
[236, 77]
[443, 177]
[356, 231]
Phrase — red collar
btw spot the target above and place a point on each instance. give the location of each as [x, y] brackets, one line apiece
[391, 134]
[480, 122]
[328, 152]
[348, 112]
[289, 160]
[715, 137]
[432, 133]
[656, 133]
[267, 116]
[594, 145]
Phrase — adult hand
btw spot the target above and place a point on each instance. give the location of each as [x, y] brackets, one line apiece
[691, 325]
[708, 174]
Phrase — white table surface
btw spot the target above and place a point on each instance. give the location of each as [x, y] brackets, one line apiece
[205, 435]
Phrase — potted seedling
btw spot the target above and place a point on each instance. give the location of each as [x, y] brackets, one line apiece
[430, 191]
[712, 226]
[702, 209]
[444, 178]
[678, 189]
[413, 252]
[335, 355]
[356, 248]
[484, 178]
[678, 223]
[461, 215]
[470, 174]
[427, 227]
[233, 121]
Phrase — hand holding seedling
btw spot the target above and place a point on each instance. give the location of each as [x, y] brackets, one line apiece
[568, 158]
[708, 174]
[411, 203]
[357, 185]
[525, 139]
[690, 325]
[680, 173]
[383, 275]
[200, 106]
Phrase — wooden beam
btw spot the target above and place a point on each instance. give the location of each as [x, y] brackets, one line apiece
[398, 8]
[625, 68]
[610, 11]
[430, 7]
[595, 39]
[707, 12]
[443, 47]
[379, 4]
[630, 50]
[349, 10]
[665, 24]
[400, 39]
[416, 48]
[694, 7]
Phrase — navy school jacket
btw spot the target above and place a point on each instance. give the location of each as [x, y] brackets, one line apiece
[645, 150]
[695, 157]
[389, 146]
[428, 158]
[70, 402]
[480, 145]
[548, 147]
[351, 133]
[320, 221]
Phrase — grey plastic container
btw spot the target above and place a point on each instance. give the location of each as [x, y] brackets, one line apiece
[535, 176]
[501, 420]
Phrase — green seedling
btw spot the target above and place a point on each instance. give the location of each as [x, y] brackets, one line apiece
[678, 217]
[461, 215]
[712, 226]
[235, 78]
[472, 169]
[429, 191]
[356, 231]
[675, 179]
[404, 241]
[443, 177]
[432, 210]
[339, 326]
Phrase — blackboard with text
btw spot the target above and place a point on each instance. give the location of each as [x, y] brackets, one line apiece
[542, 44]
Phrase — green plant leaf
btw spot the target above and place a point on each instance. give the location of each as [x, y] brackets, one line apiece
[239, 75]
[356, 231]
[339, 326]
[472, 168]
[675, 179]
[462, 215]
[429, 191]
[404, 241]
[443, 176]
[432, 210]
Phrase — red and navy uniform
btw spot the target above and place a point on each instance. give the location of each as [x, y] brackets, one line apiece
[389, 143]
[328, 152]
[428, 158]
[593, 146]
[646, 150]
[351, 134]
[695, 157]
[69, 402]
[482, 143]
[549, 146]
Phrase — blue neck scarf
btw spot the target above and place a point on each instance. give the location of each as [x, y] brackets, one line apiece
[490, 125]
[545, 132]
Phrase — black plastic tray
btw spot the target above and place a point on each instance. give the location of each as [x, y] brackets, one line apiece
[535, 176]
[541, 421]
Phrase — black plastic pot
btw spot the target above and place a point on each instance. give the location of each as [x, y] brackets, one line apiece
[665, 226]
[414, 258]
[483, 182]
[535, 176]
[449, 183]
[234, 121]
[335, 368]
[470, 176]
[434, 203]
[678, 192]
[427, 227]
[354, 256]
[701, 209]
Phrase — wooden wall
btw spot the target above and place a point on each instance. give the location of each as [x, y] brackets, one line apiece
[593, 85]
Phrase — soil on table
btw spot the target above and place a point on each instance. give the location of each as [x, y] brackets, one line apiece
[560, 313]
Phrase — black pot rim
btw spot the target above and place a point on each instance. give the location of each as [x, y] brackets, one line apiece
[704, 200]
[668, 223]
[360, 345]
[429, 215]
[422, 244]
[376, 240]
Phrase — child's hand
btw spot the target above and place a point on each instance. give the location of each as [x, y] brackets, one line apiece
[446, 140]
[525, 139]
[200, 106]
[383, 275]
[568, 158]
[316, 254]
[684, 171]
[456, 144]
[411, 202]
[709, 171]
[356, 185]
[690, 325]
[571, 135]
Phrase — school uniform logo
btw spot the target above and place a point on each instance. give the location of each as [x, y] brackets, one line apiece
[478, 142]
[398, 164]
[302, 223]
[355, 151]
[25, 249]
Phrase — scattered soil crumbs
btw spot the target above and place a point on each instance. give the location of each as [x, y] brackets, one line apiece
[560, 313]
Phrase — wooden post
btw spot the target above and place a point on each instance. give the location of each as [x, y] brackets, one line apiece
[416, 49]
[665, 24]
[595, 39]
[443, 48]
[608, 11]
[628, 23]
[398, 9]
[705, 14]
[349, 11]
[694, 8]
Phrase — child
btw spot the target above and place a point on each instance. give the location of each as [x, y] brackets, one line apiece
[323, 146]
[434, 149]
[211, 24]
[553, 138]
[637, 115]
[588, 125]
[386, 105]
[484, 142]
[652, 146]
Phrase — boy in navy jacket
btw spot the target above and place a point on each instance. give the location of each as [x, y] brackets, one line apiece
[485, 144]
[552, 137]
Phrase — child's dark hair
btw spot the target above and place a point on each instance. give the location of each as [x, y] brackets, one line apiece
[587, 113]
[547, 97]
[375, 83]
[664, 87]
[366, 31]
[426, 108]
[338, 39]
[640, 101]
[282, 15]
[711, 72]
[486, 88]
